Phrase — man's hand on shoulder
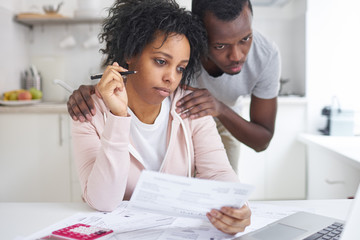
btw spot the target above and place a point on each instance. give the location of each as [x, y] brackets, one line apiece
[198, 104]
[80, 104]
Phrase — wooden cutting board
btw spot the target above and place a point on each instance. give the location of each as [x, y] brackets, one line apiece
[22, 16]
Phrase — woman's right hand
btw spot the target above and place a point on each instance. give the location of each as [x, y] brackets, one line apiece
[111, 88]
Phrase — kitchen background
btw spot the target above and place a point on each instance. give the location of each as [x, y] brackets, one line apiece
[318, 41]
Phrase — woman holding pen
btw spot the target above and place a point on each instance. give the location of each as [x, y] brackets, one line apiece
[136, 126]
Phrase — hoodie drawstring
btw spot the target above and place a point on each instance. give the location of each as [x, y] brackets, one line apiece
[187, 139]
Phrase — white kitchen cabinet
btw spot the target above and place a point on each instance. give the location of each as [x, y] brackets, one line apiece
[279, 171]
[35, 160]
[333, 165]
[329, 176]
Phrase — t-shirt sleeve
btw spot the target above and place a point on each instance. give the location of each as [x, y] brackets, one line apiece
[269, 80]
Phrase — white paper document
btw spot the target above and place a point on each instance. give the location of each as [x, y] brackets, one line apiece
[132, 224]
[185, 197]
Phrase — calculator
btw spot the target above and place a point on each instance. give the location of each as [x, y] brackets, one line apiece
[81, 232]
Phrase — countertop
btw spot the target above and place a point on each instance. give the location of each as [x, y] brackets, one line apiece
[55, 107]
[291, 99]
[42, 107]
[347, 147]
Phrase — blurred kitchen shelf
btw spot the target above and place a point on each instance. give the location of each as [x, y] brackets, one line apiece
[42, 107]
[31, 20]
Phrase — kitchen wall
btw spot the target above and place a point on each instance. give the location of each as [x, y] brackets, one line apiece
[14, 47]
[285, 25]
[69, 5]
[332, 62]
[72, 64]
[314, 46]
[41, 46]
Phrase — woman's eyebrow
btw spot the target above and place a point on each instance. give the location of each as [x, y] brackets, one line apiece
[165, 54]
[170, 56]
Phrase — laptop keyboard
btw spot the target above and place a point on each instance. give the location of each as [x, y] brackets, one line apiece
[331, 232]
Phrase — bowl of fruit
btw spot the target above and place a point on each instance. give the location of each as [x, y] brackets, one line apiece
[21, 97]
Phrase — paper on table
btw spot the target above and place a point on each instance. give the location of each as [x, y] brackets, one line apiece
[121, 220]
[130, 224]
[186, 197]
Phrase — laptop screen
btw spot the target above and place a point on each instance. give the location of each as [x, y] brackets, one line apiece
[351, 230]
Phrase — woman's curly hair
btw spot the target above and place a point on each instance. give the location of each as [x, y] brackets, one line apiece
[133, 24]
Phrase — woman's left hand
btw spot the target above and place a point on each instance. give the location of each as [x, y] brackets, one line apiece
[230, 220]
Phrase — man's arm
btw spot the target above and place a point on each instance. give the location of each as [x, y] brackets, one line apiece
[80, 104]
[256, 133]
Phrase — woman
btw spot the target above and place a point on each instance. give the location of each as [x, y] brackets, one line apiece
[138, 127]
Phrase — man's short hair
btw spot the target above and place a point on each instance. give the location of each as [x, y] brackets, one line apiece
[226, 10]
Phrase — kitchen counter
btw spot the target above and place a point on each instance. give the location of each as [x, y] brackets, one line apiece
[282, 101]
[291, 99]
[42, 107]
[55, 107]
[347, 147]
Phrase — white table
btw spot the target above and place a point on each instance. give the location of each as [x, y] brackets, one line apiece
[19, 220]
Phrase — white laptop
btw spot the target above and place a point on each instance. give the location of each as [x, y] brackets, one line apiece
[309, 226]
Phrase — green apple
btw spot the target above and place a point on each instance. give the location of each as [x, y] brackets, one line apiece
[35, 93]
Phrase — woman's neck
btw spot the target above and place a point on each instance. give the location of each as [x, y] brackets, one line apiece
[144, 112]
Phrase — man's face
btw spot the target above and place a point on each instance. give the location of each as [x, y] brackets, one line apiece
[229, 42]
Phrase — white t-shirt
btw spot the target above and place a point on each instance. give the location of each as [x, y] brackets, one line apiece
[150, 139]
[260, 75]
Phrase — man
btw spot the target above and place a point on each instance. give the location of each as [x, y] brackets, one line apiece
[240, 62]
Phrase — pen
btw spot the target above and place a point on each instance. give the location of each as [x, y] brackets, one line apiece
[97, 76]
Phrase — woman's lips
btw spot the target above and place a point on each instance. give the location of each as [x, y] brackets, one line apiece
[165, 92]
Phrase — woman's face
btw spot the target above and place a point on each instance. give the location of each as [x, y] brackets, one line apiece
[159, 69]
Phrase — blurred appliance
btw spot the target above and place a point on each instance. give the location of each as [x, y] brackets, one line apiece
[31, 78]
[339, 122]
[326, 111]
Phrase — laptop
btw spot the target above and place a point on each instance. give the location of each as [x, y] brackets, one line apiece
[309, 226]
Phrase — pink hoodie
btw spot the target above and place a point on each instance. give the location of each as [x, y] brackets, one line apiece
[109, 166]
